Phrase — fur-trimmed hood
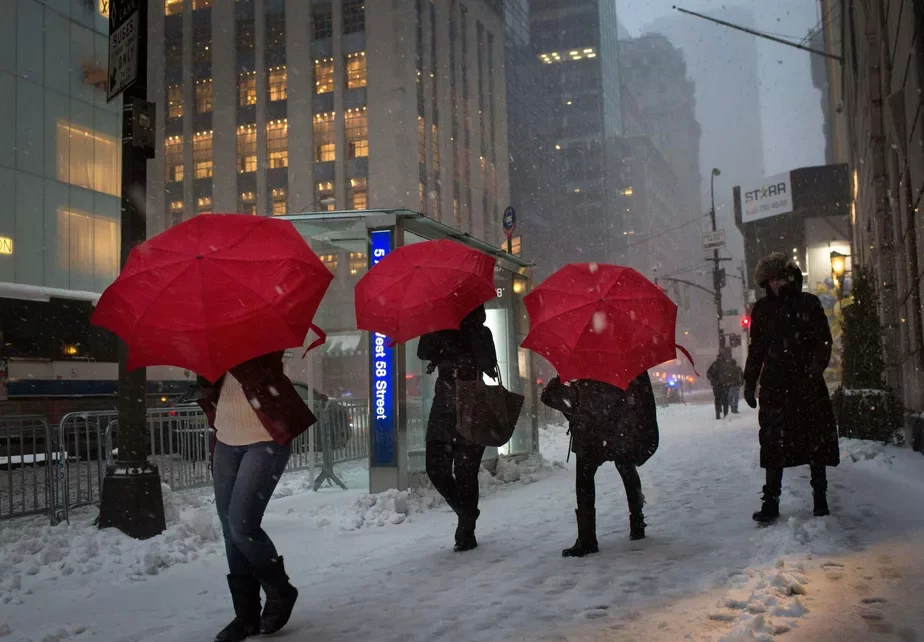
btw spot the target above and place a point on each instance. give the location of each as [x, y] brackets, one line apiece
[776, 265]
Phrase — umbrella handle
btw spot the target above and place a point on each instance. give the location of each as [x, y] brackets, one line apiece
[322, 338]
[686, 353]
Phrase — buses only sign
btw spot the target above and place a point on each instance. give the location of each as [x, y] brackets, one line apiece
[124, 23]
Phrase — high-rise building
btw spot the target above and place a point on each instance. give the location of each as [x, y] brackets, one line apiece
[529, 112]
[282, 106]
[722, 63]
[580, 75]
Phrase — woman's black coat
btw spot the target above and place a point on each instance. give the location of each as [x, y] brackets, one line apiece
[607, 423]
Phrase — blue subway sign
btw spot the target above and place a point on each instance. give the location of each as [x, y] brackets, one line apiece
[384, 452]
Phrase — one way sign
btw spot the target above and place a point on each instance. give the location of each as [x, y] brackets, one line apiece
[123, 46]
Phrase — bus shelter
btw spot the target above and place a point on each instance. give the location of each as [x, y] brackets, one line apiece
[390, 384]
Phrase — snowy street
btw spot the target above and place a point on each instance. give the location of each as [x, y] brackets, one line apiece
[705, 572]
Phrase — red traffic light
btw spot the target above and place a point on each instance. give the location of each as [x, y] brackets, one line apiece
[745, 322]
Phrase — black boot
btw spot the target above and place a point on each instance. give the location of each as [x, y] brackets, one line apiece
[770, 509]
[587, 535]
[245, 594]
[280, 597]
[819, 493]
[637, 526]
[465, 532]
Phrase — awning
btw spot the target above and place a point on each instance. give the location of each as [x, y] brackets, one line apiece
[43, 294]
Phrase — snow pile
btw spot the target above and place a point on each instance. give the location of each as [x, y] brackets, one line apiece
[857, 450]
[394, 507]
[33, 551]
[767, 602]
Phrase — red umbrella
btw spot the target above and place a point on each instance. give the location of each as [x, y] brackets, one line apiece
[423, 287]
[213, 292]
[601, 322]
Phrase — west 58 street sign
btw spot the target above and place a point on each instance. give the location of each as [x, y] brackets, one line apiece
[123, 46]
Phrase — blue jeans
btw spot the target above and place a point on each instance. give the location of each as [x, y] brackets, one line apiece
[733, 397]
[245, 478]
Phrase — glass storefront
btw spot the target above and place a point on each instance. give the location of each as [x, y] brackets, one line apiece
[391, 382]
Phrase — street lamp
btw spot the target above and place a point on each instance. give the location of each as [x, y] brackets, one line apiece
[839, 269]
[716, 274]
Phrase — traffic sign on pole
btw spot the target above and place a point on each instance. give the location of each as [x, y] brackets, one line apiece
[510, 222]
[714, 240]
[124, 24]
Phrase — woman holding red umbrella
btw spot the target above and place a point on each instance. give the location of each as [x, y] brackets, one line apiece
[453, 461]
[256, 412]
[606, 424]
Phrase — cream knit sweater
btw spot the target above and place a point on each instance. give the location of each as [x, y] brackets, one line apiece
[235, 420]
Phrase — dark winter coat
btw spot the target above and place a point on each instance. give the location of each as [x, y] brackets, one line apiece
[789, 351]
[717, 374]
[607, 423]
[464, 354]
[735, 374]
[278, 405]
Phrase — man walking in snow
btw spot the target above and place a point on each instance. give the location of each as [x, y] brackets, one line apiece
[735, 379]
[717, 374]
[790, 349]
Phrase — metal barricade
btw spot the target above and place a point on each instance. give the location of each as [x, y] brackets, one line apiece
[83, 448]
[28, 467]
[354, 422]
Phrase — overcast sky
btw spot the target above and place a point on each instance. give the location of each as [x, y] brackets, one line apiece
[790, 108]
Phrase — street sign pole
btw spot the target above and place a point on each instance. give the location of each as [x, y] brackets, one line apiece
[131, 498]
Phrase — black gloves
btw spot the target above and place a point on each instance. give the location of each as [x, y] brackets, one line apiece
[750, 397]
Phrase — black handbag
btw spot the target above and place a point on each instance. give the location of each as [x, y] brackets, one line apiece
[486, 415]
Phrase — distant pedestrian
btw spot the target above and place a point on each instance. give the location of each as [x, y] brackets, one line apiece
[255, 412]
[606, 424]
[452, 460]
[735, 381]
[717, 374]
[790, 349]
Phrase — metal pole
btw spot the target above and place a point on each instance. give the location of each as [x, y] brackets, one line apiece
[716, 274]
[131, 498]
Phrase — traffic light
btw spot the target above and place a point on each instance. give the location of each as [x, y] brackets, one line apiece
[745, 323]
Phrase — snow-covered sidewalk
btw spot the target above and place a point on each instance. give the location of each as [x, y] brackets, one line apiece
[382, 568]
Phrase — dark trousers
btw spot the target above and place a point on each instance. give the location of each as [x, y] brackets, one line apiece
[245, 478]
[733, 393]
[775, 479]
[453, 471]
[721, 402]
[586, 488]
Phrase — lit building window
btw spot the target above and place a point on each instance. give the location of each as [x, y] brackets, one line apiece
[88, 244]
[246, 149]
[421, 141]
[565, 56]
[359, 188]
[247, 88]
[277, 143]
[435, 133]
[279, 201]
[203, 96]
[88, 159]
[323, 18]
[330, 261]
[204, 205]
[356, 127]
[423, 202]
[356, 263]
[247, 203]
[356, 70]
[176, 212]
[324, 76]
[201, 4]
[175, 101]
[278, 84]
[173, 7]
[173, 158]
[515, 246]
[354, 16]
[202, 155]
[325, 149]
[324, 195]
